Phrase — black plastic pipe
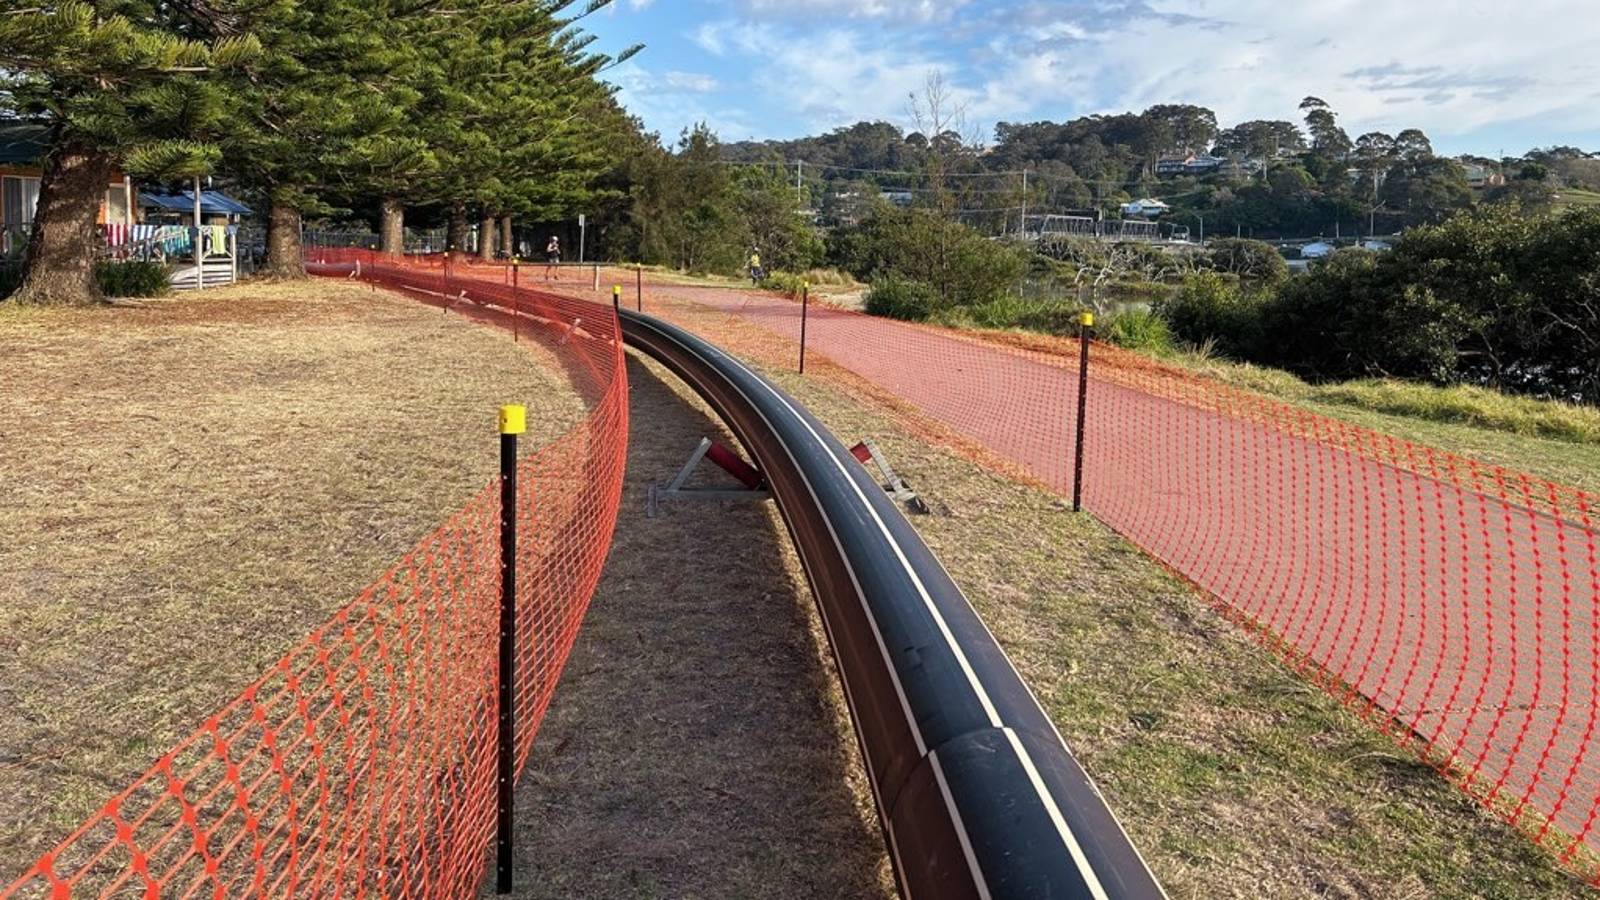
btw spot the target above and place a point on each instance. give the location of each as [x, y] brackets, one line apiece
[977, 793]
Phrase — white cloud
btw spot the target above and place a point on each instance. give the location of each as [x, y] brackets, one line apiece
[900, 11]
[690, 82]
[807, 65]
[1385, 66]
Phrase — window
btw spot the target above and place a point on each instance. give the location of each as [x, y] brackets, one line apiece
[20, 196]
[117, 204]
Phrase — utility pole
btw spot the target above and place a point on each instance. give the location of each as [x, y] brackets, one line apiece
[1372, 218]
[799, 186]
[1024, 204]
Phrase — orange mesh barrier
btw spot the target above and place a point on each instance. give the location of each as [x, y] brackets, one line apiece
[1455, 604]
[364, 761]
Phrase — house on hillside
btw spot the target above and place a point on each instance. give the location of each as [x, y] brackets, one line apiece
[1479, 175]
[1234, 167]
[1146, 208]
[22, 149]
[1202, 165]
[898, 198]
[1173, 164]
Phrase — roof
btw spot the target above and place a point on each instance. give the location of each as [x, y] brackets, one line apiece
[212, 202]
[23, 142]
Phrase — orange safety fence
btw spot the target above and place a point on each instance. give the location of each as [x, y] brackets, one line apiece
[364, 761]
[1453, 603]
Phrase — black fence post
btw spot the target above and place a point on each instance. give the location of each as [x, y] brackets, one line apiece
[805, 307]
[1085, 329]
[513, 422]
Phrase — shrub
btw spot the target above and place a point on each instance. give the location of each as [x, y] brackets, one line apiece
[1139, 329]
[132, 279]
[1213, 308]
[830, 277]
[957, 265]
[897, 298]
[786, 283]
[1252, 261]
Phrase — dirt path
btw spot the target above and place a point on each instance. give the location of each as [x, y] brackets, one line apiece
[697, 745]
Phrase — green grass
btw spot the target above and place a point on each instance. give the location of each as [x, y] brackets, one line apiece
[1577, 197]
[1550, 439]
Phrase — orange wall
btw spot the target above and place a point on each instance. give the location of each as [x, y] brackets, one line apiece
[113, 184]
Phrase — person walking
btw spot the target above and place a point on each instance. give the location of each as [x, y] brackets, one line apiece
[552, 256]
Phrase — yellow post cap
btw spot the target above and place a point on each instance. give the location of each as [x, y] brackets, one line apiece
[513, 419]
[1086, 319]
[616, 289]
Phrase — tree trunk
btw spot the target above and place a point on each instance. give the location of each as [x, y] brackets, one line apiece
[392, 227]
[283, 239]
[456, 235]
[486, 237]
[58, 267]
[508, 246]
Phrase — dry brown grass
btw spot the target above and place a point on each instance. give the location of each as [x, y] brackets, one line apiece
[191, 485]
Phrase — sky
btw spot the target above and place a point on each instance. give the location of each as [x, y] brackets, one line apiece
[1478, 77]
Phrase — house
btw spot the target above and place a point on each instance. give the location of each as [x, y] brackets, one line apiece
[898, 198]
[1173, 164]
[1147, 208]
[1235, 167]
[1479, 175]
[1202, 165]
[22, 147]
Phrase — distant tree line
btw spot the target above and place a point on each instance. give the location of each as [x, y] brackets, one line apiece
[1304, 178]
[477, 110]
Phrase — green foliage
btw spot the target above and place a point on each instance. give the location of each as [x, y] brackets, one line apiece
[1211, 309]
[786, 283]
[957, 265]
[135, 80]
[1139, 329]
[689, 211]
[1494, 298]
[896, 298]
[132, 279]
[1256, 262]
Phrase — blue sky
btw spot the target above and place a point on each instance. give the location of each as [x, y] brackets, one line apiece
[1477, 76]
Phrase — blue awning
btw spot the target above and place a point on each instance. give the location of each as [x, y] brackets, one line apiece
[211, 203]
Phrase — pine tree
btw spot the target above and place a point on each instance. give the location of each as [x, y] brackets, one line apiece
[116, 82]
[328, 112]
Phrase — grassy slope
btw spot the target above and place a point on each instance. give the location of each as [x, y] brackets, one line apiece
[1236, 777]
[1494, 428]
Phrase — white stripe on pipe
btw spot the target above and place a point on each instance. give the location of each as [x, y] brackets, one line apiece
[961, 827]
[1070, 839]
